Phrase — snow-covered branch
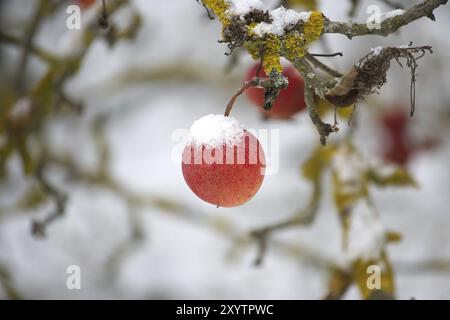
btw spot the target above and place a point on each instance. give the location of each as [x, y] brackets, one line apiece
[270, 35]
[387, 26]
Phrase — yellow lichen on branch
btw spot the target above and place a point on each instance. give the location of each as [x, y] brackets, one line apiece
[314, 27]
[271, 57]
[295, 42]
[219, 7]
[294, 45]
[271, 45]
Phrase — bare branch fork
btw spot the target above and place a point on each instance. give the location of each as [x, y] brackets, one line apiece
[261, 235]
[38, 227]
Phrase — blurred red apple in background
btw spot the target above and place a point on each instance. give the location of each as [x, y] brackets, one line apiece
[397, 148]
[84, 4]
[399, 144]
[290, 100]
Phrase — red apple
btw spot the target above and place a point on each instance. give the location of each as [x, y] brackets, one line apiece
[223, 163]
[84, 4]
[398, 152]
[290, 100]
[398, 145]
[395, 121]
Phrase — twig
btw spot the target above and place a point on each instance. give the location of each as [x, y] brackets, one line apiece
[304, 218]
[262, 249]
[318, 64]
[388, 26]
[38, 228]
[74, 105]
[324, 129]
[245, 86]
[7, 285]
[103, 19]
[27, 42]
[39, 52]
[208, 13]
[261, 235]
[340, 54]
[353, 7]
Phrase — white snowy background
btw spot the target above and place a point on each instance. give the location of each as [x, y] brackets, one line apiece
[171, 75]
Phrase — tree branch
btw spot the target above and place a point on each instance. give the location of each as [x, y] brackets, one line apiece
[45, 56]
[38, 228]
[27, 43]
[388, 26]
[318, 64]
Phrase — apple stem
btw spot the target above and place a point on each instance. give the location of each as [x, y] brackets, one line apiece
[245, 86]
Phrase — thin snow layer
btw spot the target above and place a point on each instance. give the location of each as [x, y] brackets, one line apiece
[349, 166]
[376, 51]
[392, 14]
[367, 235]
[21, 108]
[215, 130]
[282, 18]
[242, 7]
